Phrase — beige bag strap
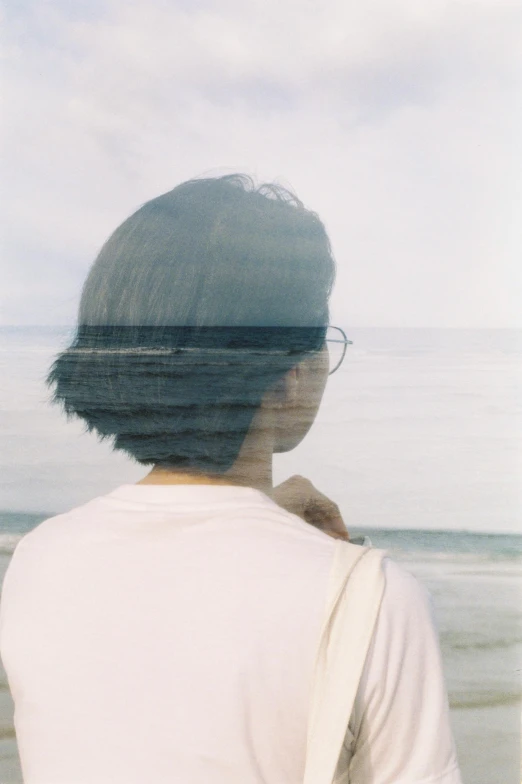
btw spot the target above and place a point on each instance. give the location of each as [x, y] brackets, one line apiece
[345, 638]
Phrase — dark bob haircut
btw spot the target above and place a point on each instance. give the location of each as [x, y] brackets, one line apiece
[194, 307]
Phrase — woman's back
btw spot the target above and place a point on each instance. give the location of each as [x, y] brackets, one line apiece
[169, 633]
[165, 634]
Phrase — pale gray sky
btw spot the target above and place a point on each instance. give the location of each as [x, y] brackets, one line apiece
[397, 122]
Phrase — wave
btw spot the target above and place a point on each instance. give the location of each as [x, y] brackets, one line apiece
[485, 700]
[453, 641]
[507, 557]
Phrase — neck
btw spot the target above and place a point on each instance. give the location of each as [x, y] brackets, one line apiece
[252, 468]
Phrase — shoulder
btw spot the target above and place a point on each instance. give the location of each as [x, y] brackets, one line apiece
[404, 639]
[404, 598]
[52, 540]
[406, 630]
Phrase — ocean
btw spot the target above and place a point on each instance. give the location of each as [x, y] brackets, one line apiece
[419, 441]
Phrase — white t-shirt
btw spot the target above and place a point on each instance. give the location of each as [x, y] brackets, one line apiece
[168, 634]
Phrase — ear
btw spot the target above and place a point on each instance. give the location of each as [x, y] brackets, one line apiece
[284, 391]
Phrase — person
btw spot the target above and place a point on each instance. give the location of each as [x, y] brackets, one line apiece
[167, 631]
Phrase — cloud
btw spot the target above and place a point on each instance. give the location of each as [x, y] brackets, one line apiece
[394, 121]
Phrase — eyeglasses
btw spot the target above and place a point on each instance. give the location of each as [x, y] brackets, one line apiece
[336, 342]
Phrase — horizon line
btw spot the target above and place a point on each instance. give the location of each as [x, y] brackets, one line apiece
[347, 326]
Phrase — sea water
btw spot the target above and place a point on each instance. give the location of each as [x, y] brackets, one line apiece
[419, 441]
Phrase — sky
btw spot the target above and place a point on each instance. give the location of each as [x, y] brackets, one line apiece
[397, 122]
